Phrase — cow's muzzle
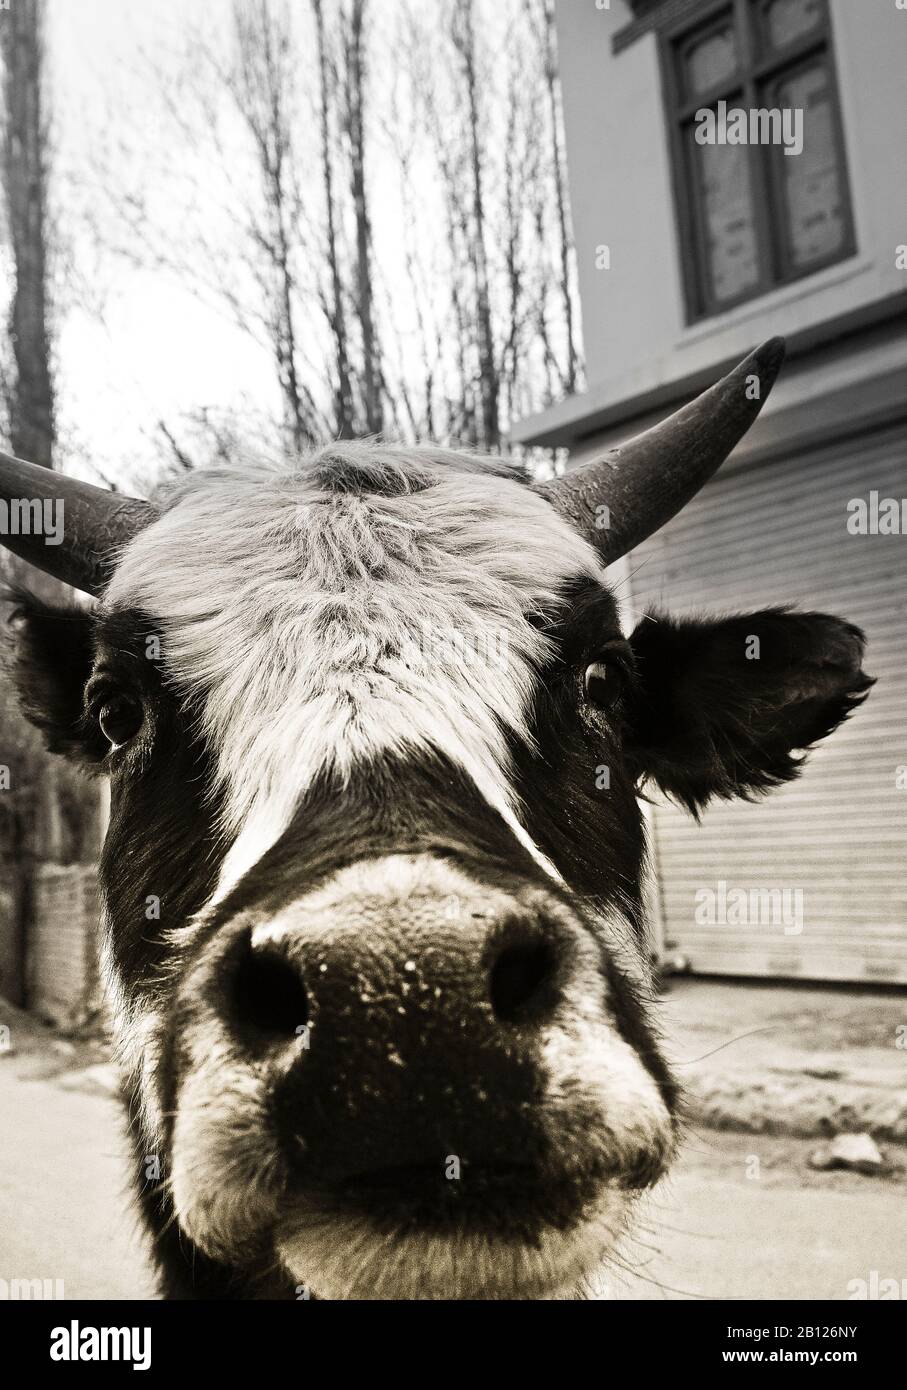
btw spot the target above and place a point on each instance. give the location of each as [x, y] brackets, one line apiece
[416, 1056]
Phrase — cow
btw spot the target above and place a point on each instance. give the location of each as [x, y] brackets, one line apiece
[373, 927]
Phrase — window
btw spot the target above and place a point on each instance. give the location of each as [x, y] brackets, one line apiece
[751, 216]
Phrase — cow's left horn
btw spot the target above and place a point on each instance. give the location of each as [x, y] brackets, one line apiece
[620, 499]
[77, 543]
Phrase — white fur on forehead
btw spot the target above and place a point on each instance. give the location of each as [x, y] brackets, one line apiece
[362, 600]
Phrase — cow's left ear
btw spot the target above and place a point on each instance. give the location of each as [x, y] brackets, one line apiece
[725, 704]
[49, 655]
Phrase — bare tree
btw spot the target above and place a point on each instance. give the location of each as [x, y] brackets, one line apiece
[490, 103]
[355, 90]
[288, 256]
[334, 302]
[454, 323]
[234, 228]
[462, 32]
[261, 81]
[520, 172]
[548, 45]
[46, 812]
[29, 391]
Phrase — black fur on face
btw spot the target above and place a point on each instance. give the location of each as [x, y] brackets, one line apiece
[163, 850]
[161, 854]
[579, 796]
[701, 707]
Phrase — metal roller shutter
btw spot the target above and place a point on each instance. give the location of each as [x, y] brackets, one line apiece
[774, 532]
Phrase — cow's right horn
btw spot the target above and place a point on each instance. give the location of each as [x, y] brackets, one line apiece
[616, 501]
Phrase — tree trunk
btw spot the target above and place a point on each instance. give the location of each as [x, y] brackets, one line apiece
[336, 308]
[355, 93]
[34, 823]
[552, 83]
[262, 88]
[30, 396]
[489, 385]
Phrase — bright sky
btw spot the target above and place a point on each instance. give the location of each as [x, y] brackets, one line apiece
[134, 346]
[156, 351]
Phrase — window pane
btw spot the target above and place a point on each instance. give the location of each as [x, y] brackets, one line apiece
[726, 203]
[787, 20]
[709, 60]
[812, 179]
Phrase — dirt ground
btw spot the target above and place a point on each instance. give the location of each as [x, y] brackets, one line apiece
[790, 1059]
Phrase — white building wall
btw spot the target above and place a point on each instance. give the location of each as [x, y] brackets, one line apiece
[620, 178]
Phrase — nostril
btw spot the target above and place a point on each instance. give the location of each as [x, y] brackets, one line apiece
[269, 997]
[522, 981]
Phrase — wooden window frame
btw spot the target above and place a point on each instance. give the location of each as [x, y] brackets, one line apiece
[758, 65]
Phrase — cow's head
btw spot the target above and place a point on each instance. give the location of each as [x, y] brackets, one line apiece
[372, 878]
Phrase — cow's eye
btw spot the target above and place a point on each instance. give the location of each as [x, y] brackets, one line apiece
[603, 682]
[120, 718]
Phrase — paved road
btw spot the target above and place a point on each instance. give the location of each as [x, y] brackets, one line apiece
[744, 1217]
[64, 1209]
[724, 1226]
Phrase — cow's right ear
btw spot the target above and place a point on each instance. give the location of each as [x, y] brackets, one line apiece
[49, 657]
[729, 707]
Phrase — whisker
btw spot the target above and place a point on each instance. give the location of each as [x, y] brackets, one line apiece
[730, 1041]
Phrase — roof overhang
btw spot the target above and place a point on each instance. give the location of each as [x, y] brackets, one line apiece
[606, 407]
